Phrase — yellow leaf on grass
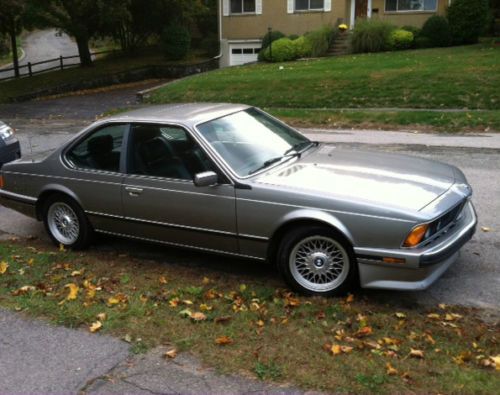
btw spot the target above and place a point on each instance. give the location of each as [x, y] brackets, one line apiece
[95, 326]
[350, 298]
[198, 316]
[365, 331]
[260, 323]
[174, 302]
[73, 291]
[223, 340]
[243, 288]
[391, 371]
[416, 353]
[31, 262]
[205, 281]
[118, 298]
[171, 353]
[496, 361]
[434, 316]
[163, 280]
[61, 248]
[3, 267]
[205, 307]
[400, 315]
[336, 350]
[102, 316]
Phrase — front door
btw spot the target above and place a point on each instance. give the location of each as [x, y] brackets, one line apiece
[160, 200]
[361, 9]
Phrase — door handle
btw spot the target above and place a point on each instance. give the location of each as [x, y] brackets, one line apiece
[134, 192]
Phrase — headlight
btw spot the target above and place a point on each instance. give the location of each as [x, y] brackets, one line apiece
[6, 132]
[416, 235]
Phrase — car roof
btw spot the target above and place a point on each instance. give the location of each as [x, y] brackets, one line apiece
[186, 114]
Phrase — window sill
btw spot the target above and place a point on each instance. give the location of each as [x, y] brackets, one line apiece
[244, 14]
[309, 11]
[409, 12]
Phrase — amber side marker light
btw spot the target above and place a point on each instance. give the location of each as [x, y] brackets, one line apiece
[1, 182]
[416, 236]
[394, 260]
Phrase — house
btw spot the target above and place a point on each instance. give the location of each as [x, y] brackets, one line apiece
[243, 23]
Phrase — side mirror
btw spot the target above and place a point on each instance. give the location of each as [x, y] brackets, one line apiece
[206, 179]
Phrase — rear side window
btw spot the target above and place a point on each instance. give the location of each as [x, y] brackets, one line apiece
[99, 151]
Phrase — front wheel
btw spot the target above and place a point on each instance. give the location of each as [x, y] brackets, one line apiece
[66, 222]
[317, 261]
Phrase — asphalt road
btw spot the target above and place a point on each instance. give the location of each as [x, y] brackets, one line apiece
[36, 357]
[42, 45]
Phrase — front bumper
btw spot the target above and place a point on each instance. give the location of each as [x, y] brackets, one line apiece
[422, 266]
[9, 150]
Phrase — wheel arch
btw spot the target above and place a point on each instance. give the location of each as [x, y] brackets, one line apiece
[52, 189]
[305, 218]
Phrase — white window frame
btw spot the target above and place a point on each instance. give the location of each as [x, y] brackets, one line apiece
[397, 11]
[243, 12]
[308, 9]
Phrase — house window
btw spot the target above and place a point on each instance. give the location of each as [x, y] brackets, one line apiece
[242, 6]
[307, 5]
[410, 5]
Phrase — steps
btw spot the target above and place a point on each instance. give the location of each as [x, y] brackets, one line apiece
[340, 45]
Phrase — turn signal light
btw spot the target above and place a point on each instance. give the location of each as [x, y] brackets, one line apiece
[394, 260]
[1, 182]
[416, 235]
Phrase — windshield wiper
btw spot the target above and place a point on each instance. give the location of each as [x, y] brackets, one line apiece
[289, 153]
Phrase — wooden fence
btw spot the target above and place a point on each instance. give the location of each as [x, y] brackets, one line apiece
[61, 63]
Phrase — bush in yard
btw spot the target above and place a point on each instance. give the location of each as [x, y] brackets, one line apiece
[371, 36]
[400, 39]
[270, 37]
[437, 30]
[303, 47]
[211, 45]
[320, 40]
[468, 19]
[422, 42]
[281, 50]
[175, 42]
[415, 30]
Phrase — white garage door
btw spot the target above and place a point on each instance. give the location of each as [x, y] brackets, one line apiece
[243, 53]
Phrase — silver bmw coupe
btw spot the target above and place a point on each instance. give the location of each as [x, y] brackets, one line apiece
[232, 179]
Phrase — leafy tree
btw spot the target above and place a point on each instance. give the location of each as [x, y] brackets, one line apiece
[11, 23]
[468, 20]
[81, 19]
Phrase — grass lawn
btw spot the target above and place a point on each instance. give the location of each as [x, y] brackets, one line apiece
[237, 323]
[101, 67]
[446, 78]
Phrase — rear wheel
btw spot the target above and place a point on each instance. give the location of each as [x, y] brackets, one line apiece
[317, 261]
[66, 223]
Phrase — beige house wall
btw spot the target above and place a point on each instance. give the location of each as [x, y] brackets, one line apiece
[274, 15]
[407, 18]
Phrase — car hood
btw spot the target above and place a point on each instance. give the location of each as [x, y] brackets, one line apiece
[375, 178]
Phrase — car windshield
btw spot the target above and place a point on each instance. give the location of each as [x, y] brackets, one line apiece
[250, 140]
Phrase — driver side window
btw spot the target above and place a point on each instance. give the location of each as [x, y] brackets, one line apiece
[165, 151]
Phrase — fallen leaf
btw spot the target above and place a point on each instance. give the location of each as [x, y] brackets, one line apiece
[3, 267]
[76, 273]
[223, 341]
[260, 323]
[73, 291]
[188, 302]
[95, 326]
[221, 320]
[174, 302]
[350, 298]
[452, 317]
[390, 370]
[434, 316]
[185, 313]
[205, 307]
[496, 361]
[462, 358]
[61, 248]
[205, 281]
[400, 315]
[143, 298]
[171, 353]
[243, 288]
[363, 332]
[102, 316]
[118, 298]
[198, 316]
[127, 338]
[163, 280]
[485, 229]
[442, 306]
[336, 350]
[416, 353]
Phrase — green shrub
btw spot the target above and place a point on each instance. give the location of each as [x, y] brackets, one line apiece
[175, 42]
[270, 37]
[422, 42]
[320, 40]
[468, 19]
[303, 47]
[437, 30]
[281, 50]
[400, 39]
[371, 36]
[415, 30]
[293, 37]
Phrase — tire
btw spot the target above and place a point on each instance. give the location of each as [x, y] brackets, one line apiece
[66, 223]
[317, 260]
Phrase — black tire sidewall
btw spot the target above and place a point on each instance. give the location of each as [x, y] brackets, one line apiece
[86, 231]
[291, 239]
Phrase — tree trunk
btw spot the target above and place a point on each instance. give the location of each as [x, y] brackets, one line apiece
[13, 46]
[84, 51]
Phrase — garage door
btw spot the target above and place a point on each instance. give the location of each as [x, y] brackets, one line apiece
[243, 53]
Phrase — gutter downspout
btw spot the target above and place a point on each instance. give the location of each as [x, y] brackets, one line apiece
[219, 11]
